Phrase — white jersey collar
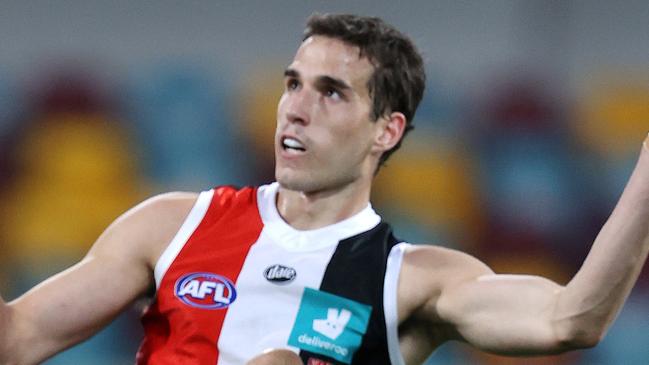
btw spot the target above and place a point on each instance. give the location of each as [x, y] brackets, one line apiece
[307, 240]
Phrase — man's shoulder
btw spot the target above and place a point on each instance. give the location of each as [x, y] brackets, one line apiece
[441, 266]
[441, 258]
[428, 270]
[169, 206]
[173, 198]
[146, 229]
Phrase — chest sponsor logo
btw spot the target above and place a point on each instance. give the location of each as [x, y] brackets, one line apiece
[205, 290]
[330, 325]
[280, 274]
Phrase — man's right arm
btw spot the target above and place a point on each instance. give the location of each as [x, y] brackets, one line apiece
[74, 304]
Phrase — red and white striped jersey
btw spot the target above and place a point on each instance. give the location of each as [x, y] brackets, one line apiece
[237, 279]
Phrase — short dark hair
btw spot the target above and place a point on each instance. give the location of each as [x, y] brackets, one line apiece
[398, 81]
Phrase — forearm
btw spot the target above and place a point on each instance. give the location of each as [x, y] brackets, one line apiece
[68, 308]
[592, 299]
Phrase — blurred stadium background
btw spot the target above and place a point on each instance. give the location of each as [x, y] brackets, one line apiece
[532, 120]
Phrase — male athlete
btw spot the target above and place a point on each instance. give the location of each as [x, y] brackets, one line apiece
[305, 264]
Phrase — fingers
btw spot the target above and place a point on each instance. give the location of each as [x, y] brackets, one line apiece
[276, 357]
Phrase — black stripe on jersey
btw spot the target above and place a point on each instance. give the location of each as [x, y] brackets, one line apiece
[356, 271]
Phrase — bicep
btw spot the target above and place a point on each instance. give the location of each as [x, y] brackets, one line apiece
[506, 314]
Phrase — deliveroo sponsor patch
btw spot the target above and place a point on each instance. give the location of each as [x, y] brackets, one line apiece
[329, 325]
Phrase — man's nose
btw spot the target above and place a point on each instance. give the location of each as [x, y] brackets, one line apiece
[299, 107]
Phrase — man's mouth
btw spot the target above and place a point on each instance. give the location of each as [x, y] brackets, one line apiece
[292, 145]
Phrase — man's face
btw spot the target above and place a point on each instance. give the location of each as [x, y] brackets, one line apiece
[324, 131]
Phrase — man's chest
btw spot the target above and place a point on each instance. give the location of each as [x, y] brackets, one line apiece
[275, 299]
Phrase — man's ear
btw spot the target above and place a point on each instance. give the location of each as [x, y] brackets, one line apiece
[389, 132]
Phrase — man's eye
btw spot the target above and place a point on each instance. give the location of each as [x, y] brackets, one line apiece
[292, 84]
[333, 93]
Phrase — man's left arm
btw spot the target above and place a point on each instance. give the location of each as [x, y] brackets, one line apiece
[595, 295]
[518, 314]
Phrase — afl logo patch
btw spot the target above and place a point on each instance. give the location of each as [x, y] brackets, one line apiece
[205, 290]
[280, 274]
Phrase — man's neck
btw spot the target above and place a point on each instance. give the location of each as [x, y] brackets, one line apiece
[305, 211]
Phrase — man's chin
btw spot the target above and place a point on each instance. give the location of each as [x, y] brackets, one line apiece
[290, 181]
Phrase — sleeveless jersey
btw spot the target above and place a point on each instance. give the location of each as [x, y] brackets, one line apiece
[237, 279]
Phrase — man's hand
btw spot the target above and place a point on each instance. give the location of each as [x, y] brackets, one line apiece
[276, 357]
